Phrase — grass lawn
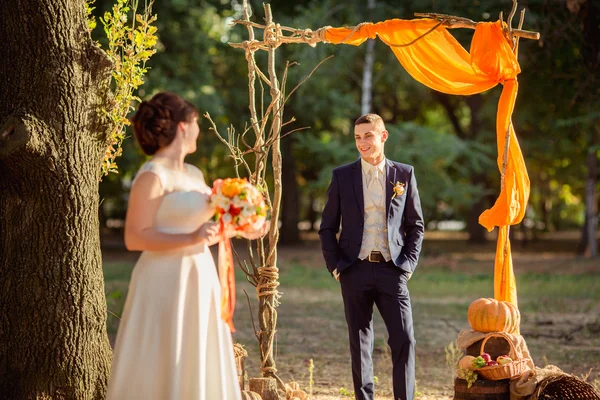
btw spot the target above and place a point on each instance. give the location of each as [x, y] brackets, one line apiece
[559, 299]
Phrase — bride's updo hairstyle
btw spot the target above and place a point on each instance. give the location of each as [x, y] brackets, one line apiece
[155, 122]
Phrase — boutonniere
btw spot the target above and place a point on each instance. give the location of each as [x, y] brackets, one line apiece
[398, 189]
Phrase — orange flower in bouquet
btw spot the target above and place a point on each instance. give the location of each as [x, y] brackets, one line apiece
[239, 207]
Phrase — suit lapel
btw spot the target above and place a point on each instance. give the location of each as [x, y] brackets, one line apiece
[389, 187]
[358, 187]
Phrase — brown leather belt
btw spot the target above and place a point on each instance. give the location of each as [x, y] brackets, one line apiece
[375, 257]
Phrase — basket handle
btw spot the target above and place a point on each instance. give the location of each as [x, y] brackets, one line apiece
[513, 351]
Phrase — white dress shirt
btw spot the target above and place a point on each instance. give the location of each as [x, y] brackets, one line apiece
[375, 232]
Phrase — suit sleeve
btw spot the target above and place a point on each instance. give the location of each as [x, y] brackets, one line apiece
[330, 225]
[414, 227]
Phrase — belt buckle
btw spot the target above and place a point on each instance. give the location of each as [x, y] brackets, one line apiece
[370, 259]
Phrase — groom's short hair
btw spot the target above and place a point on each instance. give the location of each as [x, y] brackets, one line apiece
[371, 118]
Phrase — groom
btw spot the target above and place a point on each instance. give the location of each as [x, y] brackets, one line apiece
[378, 204]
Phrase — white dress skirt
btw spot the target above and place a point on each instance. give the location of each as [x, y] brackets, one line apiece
[172, 343]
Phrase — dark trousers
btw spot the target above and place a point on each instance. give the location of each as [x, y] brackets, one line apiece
[383, 284]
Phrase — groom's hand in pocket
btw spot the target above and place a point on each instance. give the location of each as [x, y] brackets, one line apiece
[336, 275]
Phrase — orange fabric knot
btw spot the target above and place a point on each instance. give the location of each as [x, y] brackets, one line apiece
[492, 54]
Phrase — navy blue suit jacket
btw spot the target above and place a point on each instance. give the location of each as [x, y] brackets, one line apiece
[345, 204]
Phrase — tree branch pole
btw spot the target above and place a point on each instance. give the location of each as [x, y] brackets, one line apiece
[515, 40]
[267, 129]
[269, 273]
[452, 22]
[310, 37]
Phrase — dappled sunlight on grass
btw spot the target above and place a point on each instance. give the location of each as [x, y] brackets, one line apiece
[559, 298]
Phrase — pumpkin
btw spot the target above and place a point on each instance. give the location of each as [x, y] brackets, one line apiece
[489, 315]
[466, 362]
[248, 395]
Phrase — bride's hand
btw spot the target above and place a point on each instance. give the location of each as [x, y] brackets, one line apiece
[206, 233]
[256, 234]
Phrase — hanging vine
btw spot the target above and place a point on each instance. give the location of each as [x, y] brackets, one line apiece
[131, 42]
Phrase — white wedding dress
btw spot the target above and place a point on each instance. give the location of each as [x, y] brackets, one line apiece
[172, 343]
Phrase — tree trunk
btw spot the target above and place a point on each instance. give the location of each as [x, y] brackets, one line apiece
[311, 213]
[367, 81]
[476, 231]
[474, 102]
[588, 243]
[591, 20]
[53, 341]
[546, 202]
[290, 209]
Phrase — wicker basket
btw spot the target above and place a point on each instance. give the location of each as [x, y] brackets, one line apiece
[566, 387]
[504, 371]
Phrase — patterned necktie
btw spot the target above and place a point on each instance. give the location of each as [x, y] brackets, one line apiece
[374, 187]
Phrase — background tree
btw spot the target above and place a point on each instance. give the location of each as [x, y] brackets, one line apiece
[60, 132]
[331, 99]
[53, 83]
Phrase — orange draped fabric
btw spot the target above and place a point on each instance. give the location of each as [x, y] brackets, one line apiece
[226, 279]
[438, 61]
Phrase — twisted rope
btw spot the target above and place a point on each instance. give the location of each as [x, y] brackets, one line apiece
[268, 287]
[270, 284]
[272, 35]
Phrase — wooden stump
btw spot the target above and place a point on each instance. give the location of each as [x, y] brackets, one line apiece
[482, 390]
[240, 353]
[266, 387]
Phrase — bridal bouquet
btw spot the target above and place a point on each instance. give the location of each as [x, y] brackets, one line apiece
[238, 204]
[239, 207]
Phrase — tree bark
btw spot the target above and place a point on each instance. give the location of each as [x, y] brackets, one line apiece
[53, 81]
[474, 102]
[588, 243]
[311, 214]
[476, 231]
[367, 81]
[290, 209]
[591, 21]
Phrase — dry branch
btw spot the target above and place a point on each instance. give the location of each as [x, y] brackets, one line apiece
[453, 22]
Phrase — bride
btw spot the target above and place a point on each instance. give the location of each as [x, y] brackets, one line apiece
[171, 343]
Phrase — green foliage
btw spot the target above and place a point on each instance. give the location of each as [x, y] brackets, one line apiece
[554, 117]
[91, 19]
[129, 46]
[311, 381]
[443, 163]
